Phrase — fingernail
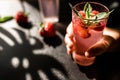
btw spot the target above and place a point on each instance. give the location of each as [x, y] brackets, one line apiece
[86, 54]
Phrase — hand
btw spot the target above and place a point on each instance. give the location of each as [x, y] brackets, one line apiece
[109, 42]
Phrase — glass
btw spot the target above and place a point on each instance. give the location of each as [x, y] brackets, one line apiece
[49, 10]
[87, 35]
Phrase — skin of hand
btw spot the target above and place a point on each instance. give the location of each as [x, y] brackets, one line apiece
[110, 42]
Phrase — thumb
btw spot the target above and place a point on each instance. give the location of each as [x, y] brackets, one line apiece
[100, 47]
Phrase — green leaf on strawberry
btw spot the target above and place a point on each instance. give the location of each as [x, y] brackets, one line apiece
[41, 26]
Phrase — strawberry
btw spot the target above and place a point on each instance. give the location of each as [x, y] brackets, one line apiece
[21, 18]
[83, 32]
[47, 30]
[82, 13]
[95, 12]
[80, 30]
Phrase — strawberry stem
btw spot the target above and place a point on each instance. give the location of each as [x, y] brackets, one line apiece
[41, 26]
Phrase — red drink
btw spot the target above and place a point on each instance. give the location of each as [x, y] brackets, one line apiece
[88, 29]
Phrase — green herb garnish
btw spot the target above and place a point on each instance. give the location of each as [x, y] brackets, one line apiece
[6, 18]
[76, 12]
[90, 18]
[88, 10]
[41, 26]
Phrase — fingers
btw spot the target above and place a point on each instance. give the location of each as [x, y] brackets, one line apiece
[69, 39]
[100, 47]
[69, 29]
[82, 60]
[68, 43]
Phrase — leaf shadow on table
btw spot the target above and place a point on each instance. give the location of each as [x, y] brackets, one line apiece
[26, 64]
[106, 67]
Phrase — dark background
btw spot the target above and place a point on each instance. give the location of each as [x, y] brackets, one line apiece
[65, 10]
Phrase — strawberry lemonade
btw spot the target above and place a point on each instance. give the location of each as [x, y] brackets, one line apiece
[89, 20]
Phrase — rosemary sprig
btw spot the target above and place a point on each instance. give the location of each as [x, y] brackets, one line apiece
[88, 10]
[75, 11]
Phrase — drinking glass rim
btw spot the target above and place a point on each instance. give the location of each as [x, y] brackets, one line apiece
[93, 2]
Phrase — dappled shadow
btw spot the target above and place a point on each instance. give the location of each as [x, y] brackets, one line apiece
[106, 67]
[24, 53]
[27, 25]
[53, 41]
